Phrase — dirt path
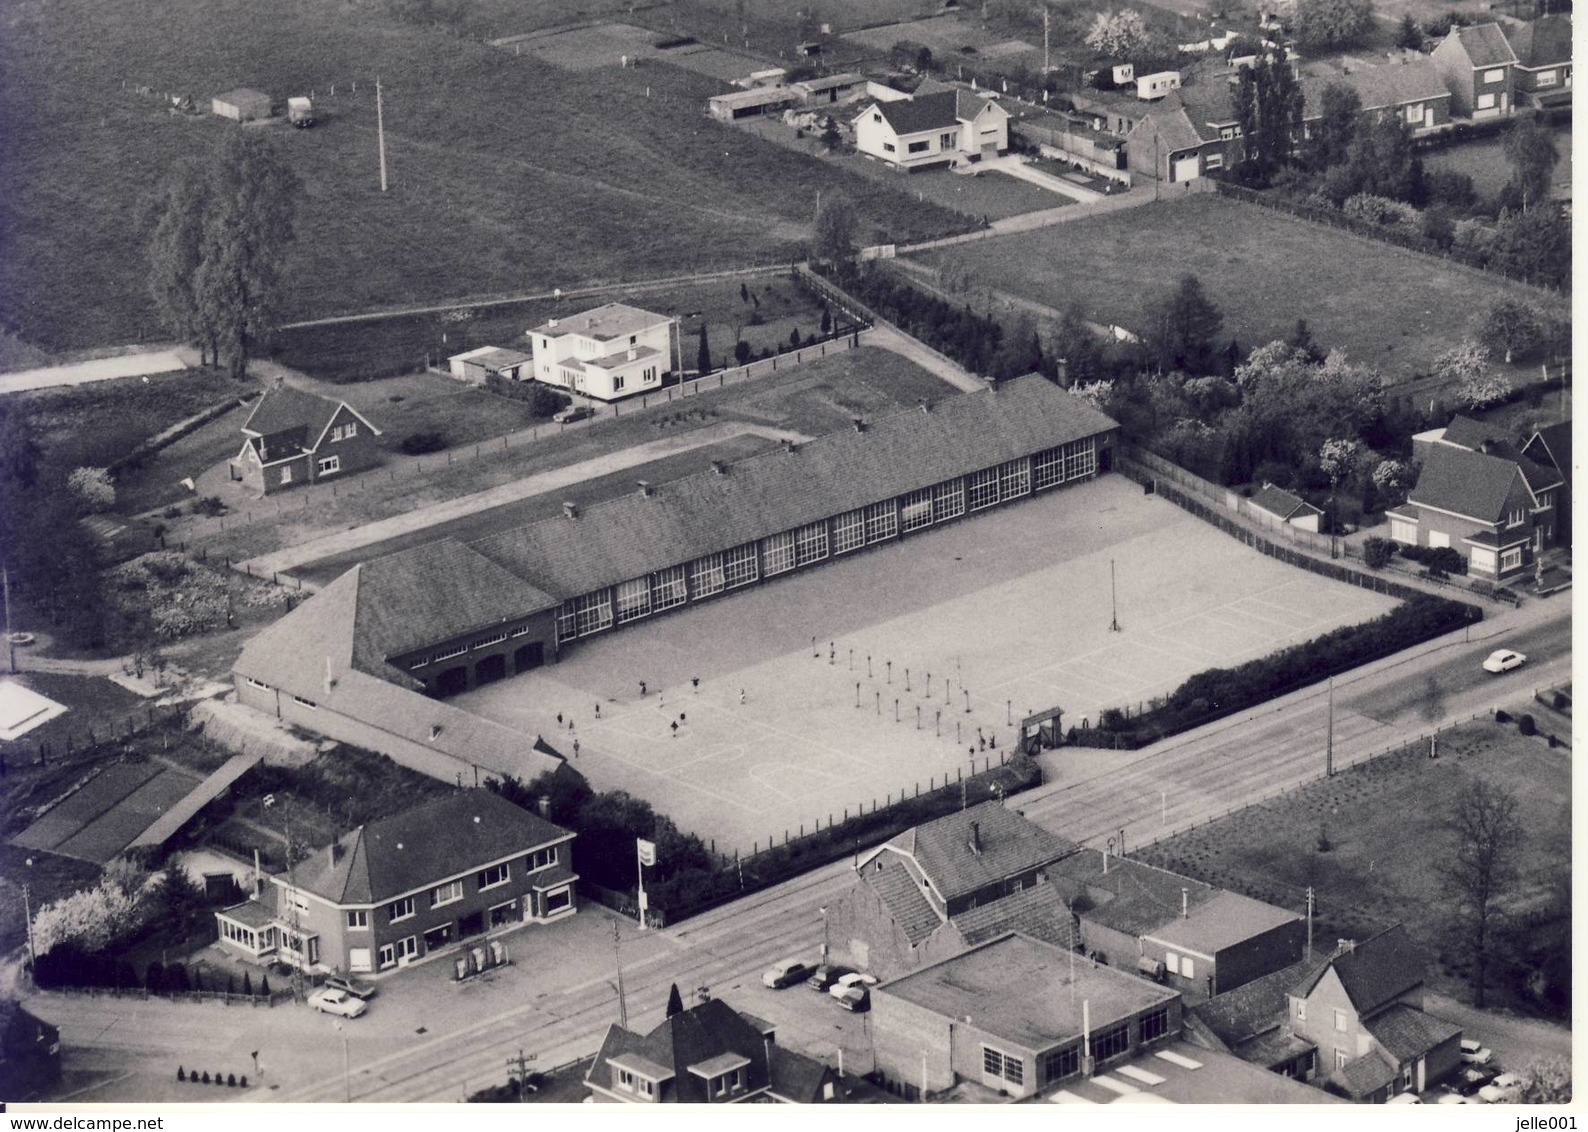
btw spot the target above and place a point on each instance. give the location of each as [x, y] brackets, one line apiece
[1515, 1040]
[100, 369]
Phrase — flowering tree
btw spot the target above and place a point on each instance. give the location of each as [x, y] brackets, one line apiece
[1466, 366]
[93, 917]
[93, 487]
[1393, 475]
[1339, 459]
[1117, 34]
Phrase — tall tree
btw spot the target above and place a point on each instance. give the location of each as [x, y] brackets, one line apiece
[176, 251]
[675, 1001]
[836, 225]
[1117, 34]
[703, 354]
[1182, 328]
[1530, 148]
[1339, 110]
[1324, 25]
[1409, 37]
[1534, 246]
[1488, 836]
[1268, 107]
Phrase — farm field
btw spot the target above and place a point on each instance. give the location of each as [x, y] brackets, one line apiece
[1389, 308]
[1384, 822]
[1016, 633]
[636, 182]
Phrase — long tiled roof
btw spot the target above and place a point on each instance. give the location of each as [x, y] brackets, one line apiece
[1038, 911]
[633, 535]
[1468, 483]
[896, 884]
[1374, 972]
[1395, 84]
[1174, 128]
[1406, 1033]
[1485, 45]
[422, 846]
[1278, 501]
[1009, 845]
[286, 408]
[1237, 1016]
[1543, 42]
[1130, 897]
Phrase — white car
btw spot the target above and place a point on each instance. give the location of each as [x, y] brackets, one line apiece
[329, 1000]
[1405, 1098]
[1475, 1053]
[853, 979]
[1452, 1098]
[1504, 1089]
[1503, 660]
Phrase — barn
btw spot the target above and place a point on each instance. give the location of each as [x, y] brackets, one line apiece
[241, 105]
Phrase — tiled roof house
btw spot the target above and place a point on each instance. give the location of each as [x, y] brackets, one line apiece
[930, 129]
[1543, 59]
[1477, 65]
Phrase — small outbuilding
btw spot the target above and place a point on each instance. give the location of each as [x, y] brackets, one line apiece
[241, 105]
[475, 366]
[1276, 505]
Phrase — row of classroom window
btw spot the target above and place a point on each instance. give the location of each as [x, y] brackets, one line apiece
[1055, 1065]
[790, 550]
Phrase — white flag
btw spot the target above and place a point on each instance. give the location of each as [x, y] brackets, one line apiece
[647, 851]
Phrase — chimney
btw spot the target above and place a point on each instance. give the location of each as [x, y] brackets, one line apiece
[646, 489]
[1345, 947]
[1185, 903]
[634, 352]
[570, 510]
[551, 324]
[720, 467]
[336, 851]
[543, 805]
[330, 680]
[435, 732]
[860, 425]
[975, 838]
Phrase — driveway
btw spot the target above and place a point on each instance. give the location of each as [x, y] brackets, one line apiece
[1516, 1041]
[1012, 166]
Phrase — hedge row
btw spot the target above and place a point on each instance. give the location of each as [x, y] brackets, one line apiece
[1218, 692]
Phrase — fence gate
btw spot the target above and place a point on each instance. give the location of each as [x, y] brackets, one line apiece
[1042, 732]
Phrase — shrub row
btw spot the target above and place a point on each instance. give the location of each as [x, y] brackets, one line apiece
[67, 965]
[1218, 692]
[1445, 559]
[230, 1080]
[543, 400]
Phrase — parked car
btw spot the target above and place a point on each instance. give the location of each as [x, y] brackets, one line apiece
[826, 975]
[1503, 660]
[572, 413]
[853, 979]
[856, 998]
[786, 972]
[1504, 1089]
[1474, 1052]
[329, 1000]
[1405, 1098]
[1452, 1098]
[1470, 1078]
[351, 985]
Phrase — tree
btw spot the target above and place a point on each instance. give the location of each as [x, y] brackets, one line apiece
[1409, 37]
[741, 352]
[93, 488]
[1547, 1081]
[834, 242]
[176, 251]
[675, 1002]
[830, 136]
[1339, 458]
[1325, 25]
[1390, 476]
[1268, 105]
[703, 354]
[1116, 35]
[1534, 246]
[1511, 327]
[1530, 148]
[1481, 867]
[1182, 328]
[1466, 366]
[1339, 110]
[1076, 346]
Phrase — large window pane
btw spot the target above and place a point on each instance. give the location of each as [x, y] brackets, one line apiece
[1014, 479]
[810, 543]
[777, 552]
[983, 488]
[948, 500]
[882, 521]
[741, 565]
[917, 510]
[706, 577]
[670, 589]
[849, 531]
[634, 599]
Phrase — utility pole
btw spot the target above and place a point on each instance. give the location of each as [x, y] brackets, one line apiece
[520, 1064]
[380, 132]
[1113, 600]
[1309, 923]
[1046, 66]
[299, 949]
[27, 915]
[1328, 748]
[617, 953]
[11, 648]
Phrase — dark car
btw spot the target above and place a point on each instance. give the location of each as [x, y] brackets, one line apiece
[857, 998]
[825, 976]
[351, 986]
[572, 413]
[1470, 1078]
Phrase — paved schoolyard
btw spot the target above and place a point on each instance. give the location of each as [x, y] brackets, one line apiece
[1012, 607]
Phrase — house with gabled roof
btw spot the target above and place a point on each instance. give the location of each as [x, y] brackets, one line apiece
[1476, 63]
[708, 1054]
[1543, 59]
[1410, 91]
[1550, 447]
[1251, 1022]
[1481, 496]
[459, 868]
[949, 884]
[1363, 1010]
[1276, 506]
[1167, 144]
[935, 128]
[293, 437]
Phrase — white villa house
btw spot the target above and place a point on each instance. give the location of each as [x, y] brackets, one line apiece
[608, 353]
[939, 128]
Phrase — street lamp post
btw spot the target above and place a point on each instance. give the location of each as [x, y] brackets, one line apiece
[823, 911]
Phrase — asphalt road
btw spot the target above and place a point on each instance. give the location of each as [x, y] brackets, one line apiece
[434, 1041]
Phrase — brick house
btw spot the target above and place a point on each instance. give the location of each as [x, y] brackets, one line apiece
[708, 1054]
[1168, 145]
[1193, 937]
[293, 438]
[1014, 1015]
[1476, 63]
[399, 889]
[1551, 448]
[1412, 92]
[1542, 75]
[1362, 1009]
[946, 885]
[1482, 497]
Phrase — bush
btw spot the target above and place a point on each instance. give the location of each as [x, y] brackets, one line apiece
[1444, 559]
[206, 1076]
[1559, 701]
[180, 1074]
[210, 506]
[543, 400]
[1377, 552]
[1502, 716]
[231, 1080]
[421, 443]
[1526, 726]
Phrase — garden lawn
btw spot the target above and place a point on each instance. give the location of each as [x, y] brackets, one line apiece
[1386, 307]
[634, 182]
[1384, 822]
[1484, 161]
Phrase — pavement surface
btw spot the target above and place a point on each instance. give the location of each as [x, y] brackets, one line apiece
[1012, 166]
[100, 369]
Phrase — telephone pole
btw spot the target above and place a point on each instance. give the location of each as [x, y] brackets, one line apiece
[1309, 923]
[1113, 600]
[1046, 67]
[11, 648]
[380, 132]
[1328, 747]
[617, 954]
[519, 1068]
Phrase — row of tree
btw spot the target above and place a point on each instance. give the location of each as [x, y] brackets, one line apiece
[68, 965]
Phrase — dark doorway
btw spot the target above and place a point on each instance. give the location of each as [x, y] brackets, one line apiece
[490, 670]
[451, 681]
[472, 924]
[1105, 460]
[530, 656]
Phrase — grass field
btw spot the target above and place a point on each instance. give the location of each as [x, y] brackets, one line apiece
[1389, 308]
[635, 181]
[1384, 823]
[1484, 161]
[1012, 607]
